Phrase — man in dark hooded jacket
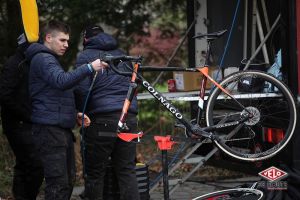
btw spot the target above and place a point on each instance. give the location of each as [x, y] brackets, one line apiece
[53, 107]
[15, 113]
[104, 108]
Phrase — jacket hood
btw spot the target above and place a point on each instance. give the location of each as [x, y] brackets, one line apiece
[36, 48]
[102, 41]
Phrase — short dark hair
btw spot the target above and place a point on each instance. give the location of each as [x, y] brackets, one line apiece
[54, 25]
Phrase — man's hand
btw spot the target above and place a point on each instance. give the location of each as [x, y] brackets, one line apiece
[86, 121]
[99, 65]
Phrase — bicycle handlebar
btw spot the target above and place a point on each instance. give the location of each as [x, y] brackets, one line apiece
[110, 58]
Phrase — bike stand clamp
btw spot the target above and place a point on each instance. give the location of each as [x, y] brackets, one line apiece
[128, 137]
[164, 144]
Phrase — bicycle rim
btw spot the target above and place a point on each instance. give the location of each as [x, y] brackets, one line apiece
[237, 194]
[271, 114]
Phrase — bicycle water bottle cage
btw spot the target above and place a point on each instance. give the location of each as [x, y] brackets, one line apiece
[211, 36]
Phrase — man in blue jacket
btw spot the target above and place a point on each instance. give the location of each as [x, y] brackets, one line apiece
[53, 107]
[104, 108]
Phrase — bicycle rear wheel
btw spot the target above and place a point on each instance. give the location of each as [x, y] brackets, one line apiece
[266, 111]
[237, 194]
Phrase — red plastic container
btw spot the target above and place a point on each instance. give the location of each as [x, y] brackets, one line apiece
[171, 85]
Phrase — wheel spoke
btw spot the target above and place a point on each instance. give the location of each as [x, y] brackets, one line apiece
[262, 112]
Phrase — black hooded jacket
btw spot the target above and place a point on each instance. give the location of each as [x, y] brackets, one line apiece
[14, 95]
[110, 89]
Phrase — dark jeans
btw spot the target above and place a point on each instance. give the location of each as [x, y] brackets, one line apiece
[56, 149]
[28, 171]
[101, 145]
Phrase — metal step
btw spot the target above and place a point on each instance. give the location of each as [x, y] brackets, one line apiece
[194, 160]
[200, 164]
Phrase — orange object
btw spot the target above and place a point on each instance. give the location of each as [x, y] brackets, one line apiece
[273, 135]
[128, 137]
[164, 142]
[30, 18]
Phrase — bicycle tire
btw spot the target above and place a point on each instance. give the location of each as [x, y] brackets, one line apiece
[236, 194]
[272, 117]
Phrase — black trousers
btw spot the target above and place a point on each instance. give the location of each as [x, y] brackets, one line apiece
[28, 172]
[56, 150]
[102, 147]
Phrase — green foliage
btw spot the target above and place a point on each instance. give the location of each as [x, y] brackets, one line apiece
[171, 18]
[125, 17]
[155, 118]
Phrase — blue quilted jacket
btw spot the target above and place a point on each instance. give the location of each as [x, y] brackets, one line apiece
[110, 89]
[51, 88]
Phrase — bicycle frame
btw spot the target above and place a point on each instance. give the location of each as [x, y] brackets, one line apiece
[192, 129]
[244, 116]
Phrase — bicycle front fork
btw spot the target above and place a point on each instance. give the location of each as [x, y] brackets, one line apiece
[122, 127]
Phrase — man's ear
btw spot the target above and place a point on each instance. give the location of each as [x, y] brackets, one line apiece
[48, 37]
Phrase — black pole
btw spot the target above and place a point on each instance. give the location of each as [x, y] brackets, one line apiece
[164, 154]
[291, 54]
[292, 46]
[190, 9]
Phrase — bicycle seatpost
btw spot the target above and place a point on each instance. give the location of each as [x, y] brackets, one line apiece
[208, 50]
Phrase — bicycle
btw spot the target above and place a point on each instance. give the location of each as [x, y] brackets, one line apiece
[247, 123]
[236, 193]
[250, 193]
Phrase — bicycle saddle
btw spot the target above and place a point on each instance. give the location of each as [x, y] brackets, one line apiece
[211, 36]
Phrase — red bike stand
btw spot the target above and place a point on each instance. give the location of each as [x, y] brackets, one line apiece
[164, 144]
